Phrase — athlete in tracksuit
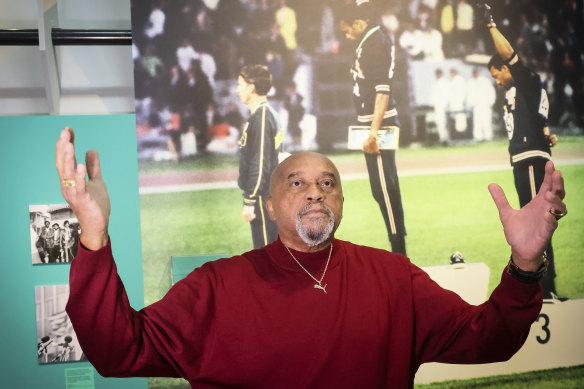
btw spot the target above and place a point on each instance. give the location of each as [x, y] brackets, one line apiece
[260, 145]
[525, 115]
[372, 72]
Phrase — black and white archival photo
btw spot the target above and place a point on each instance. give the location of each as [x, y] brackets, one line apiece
[54, 232]
[56, 340]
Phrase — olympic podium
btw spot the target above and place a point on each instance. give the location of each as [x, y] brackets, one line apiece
[469, 280]
[555, 339]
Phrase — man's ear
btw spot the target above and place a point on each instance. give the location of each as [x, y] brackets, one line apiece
[270, 208]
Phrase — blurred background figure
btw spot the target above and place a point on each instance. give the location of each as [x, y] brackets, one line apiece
[293, 104]
[456, 100]
[439, 103]
[481, 97]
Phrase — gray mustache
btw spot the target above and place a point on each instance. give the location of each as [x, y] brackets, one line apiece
[308, 207]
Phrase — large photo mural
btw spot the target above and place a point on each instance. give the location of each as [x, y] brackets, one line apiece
[200, 97]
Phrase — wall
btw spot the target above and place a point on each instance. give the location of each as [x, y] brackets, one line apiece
[88, 79]
[28, 177]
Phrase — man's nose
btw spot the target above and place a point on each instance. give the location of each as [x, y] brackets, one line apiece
[314, 193]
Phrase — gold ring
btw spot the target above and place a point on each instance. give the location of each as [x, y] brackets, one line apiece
[558, 215]
[71, 184]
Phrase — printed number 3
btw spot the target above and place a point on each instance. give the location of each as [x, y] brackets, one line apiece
[545, 328]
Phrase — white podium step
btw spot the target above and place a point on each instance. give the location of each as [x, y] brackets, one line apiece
[555, 340]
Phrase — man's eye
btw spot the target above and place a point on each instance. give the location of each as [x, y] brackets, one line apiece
[295, 183]
[327, 183]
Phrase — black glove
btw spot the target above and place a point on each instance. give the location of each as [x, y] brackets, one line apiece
[484, 12]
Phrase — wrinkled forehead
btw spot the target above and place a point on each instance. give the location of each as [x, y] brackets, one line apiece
[304, 163]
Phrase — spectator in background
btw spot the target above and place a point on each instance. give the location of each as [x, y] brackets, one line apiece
[177, 95]
[275, 58]
[456, 92]
[456, 101]
[481, 97]
[153, 68]
[328, 40]
[263, 16]
[293, 104]
[411, 41]
[447, 26]
[202, 27]
[439, 101]
[155, 25]
[226, 59]
[286, 19]
[185, 55]
[431, 42]
[465, 37]
[208, 66]
[200, 95]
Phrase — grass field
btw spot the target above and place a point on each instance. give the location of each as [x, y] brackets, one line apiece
[564, 378]
[215, 162]
[443, 213]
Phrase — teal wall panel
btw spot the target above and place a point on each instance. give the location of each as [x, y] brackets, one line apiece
[28, 176]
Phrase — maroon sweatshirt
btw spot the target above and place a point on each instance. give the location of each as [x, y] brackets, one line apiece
[256, 321]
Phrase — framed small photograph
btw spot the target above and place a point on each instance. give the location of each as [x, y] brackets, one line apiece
[56, 340]
[54, 233]
[387, 137]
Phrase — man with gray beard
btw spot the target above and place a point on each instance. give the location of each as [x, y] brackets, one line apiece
[314, 237]
[306, 311]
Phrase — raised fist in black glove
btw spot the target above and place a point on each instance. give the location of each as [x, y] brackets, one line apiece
[484, 13]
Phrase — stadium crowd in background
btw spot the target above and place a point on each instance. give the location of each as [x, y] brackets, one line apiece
[199, 45]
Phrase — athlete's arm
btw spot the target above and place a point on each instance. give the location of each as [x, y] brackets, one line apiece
[502, 45]
[381, 102]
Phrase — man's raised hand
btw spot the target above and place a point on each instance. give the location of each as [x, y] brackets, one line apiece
[529, 229]
[89, 200]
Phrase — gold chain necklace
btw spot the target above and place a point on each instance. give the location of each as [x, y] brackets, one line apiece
[318, 284]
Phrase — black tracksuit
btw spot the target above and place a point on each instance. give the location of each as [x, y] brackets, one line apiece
[260, 144]
[525, 115]
[372, 72]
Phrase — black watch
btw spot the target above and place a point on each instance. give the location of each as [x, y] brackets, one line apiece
[528, 277]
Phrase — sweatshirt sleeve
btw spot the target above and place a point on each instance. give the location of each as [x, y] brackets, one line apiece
[449, 330]
[120, 341]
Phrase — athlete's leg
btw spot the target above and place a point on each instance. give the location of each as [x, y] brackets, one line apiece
[385, 185]
[263, 229]
[528, 180]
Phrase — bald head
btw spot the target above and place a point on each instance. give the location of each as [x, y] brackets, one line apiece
[303, 158]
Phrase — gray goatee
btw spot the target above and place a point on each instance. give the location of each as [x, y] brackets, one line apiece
[313, 236]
